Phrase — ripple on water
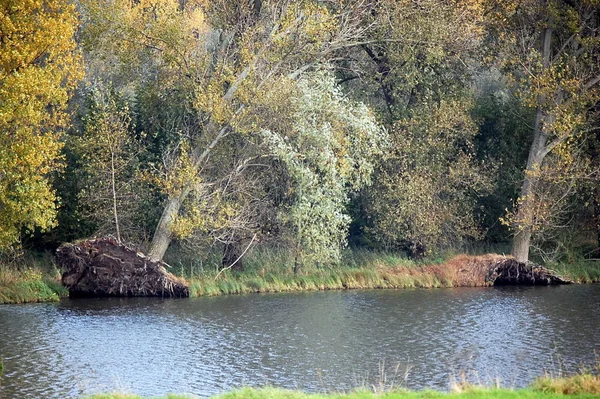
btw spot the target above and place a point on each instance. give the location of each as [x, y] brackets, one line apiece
[313, 341]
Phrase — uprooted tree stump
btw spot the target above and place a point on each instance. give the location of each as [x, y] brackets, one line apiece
[104, 267]
[511, 272]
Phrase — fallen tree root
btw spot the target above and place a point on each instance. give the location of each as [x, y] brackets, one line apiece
[511, 272]
[104, 267]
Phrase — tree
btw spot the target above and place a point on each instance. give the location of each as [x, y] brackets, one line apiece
[550, 49]
[39, 68]
[329, 151]
[111, 186]
[418, 68]
[227, 56]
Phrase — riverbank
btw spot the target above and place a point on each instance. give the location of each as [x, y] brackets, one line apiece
[35, 277]
[580, 386]
[32, 277]
[271, 271]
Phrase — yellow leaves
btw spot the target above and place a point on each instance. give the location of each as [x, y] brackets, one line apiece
[210, 99]
[180, 174]
[204, 212]
[35, 31]
[39, 67]
[148, 32]
[306, 24]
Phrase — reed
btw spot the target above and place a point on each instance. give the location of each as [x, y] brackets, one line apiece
[581, 270]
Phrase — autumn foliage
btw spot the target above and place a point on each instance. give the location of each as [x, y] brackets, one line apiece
[39, 67]
[413, 126]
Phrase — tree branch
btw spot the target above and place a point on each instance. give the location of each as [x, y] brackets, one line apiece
[237, 260]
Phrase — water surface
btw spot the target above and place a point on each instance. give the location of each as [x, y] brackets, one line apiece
[323, 341]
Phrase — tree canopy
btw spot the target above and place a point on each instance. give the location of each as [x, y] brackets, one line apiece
[39, 68]
[413, 126]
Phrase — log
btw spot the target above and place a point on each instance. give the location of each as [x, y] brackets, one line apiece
[103, 267]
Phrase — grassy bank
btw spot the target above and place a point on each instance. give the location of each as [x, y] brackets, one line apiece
[272, 271]
[582, 271]
[585, 386]
[35, 278]
[31, 277]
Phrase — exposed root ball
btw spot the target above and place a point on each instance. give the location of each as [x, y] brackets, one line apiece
[511, 272]
[103, 267]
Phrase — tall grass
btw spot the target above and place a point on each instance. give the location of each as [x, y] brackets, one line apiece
[581, 270]
[583, 383]
[30, 277]
[268, 270]
[271, 270]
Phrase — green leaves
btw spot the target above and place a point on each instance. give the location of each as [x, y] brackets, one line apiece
[329, 151]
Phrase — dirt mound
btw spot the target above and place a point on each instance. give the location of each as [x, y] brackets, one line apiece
[486, 270]
[103, 267]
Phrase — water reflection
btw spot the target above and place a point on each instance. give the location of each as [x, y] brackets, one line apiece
[312, 341]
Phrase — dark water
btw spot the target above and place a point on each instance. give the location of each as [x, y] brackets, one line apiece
[312, 341]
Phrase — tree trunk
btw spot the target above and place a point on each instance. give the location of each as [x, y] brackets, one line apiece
[525, 211]
[162, 235]
[114, 194]
[521, 244]
[595, 160]
[537, 152]
[597, 217]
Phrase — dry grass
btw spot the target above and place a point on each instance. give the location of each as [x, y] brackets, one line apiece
[460, 271]
[584, 383]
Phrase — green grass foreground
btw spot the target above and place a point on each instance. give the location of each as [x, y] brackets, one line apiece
[584, 386]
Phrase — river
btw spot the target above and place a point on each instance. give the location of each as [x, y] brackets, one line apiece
[318, 341]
